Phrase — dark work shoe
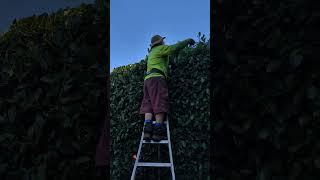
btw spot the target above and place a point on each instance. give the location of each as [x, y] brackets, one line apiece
[147, 136]
[148, 128]
[159, 133]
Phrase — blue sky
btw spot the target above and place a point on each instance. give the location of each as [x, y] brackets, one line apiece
[133, 23]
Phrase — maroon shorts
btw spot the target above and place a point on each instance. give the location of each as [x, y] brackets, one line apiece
[155, 96]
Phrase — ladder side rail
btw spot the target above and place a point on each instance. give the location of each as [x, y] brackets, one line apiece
[170, 150]
[159, 161]
[137, 158]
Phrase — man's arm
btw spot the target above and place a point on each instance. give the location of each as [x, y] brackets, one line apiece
[168, 50]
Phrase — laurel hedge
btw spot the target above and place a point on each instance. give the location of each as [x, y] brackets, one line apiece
[189, 116]
[50, 104]
[266, 100]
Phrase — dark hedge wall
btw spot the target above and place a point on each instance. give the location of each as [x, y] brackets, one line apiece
[189, 101]
[51, 95]
[266, 100]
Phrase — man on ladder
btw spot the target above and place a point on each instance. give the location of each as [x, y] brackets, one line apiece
[155, 90]
[156, 100]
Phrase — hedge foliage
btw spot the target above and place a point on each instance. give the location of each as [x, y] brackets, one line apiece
[50, 95]
[266, 100]
[189, 116]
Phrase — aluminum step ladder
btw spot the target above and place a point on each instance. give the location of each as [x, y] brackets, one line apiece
[154, 164]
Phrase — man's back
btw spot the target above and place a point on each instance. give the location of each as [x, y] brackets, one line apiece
[158, 57]
[159, 60]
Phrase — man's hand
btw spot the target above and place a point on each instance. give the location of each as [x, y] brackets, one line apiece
[191, 41]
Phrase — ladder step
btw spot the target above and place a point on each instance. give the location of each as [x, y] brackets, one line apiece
[153, 142]
[153, 122]
[148, 164]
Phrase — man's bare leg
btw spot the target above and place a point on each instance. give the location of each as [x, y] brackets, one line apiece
[148, 116]
[160, 117]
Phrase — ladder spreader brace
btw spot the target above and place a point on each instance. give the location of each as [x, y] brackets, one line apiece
[153, 164]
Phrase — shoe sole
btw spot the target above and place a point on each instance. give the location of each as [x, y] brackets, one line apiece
[147, 138]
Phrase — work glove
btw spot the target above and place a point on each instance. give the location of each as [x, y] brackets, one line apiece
[191, 41]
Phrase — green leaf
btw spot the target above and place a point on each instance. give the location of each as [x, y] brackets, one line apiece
[296, 60]
[42, 172]
[2, 119]
[82, 160]
[317, 162]
[3, 168]
[263, 174]
[12, 114]
[183, 144]
[263, 133]
[47, 79]
[273, 66]
[312, 92]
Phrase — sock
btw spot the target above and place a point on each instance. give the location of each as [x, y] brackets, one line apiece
[147, 121]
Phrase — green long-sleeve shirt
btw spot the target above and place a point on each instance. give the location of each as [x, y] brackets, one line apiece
[158, 58]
